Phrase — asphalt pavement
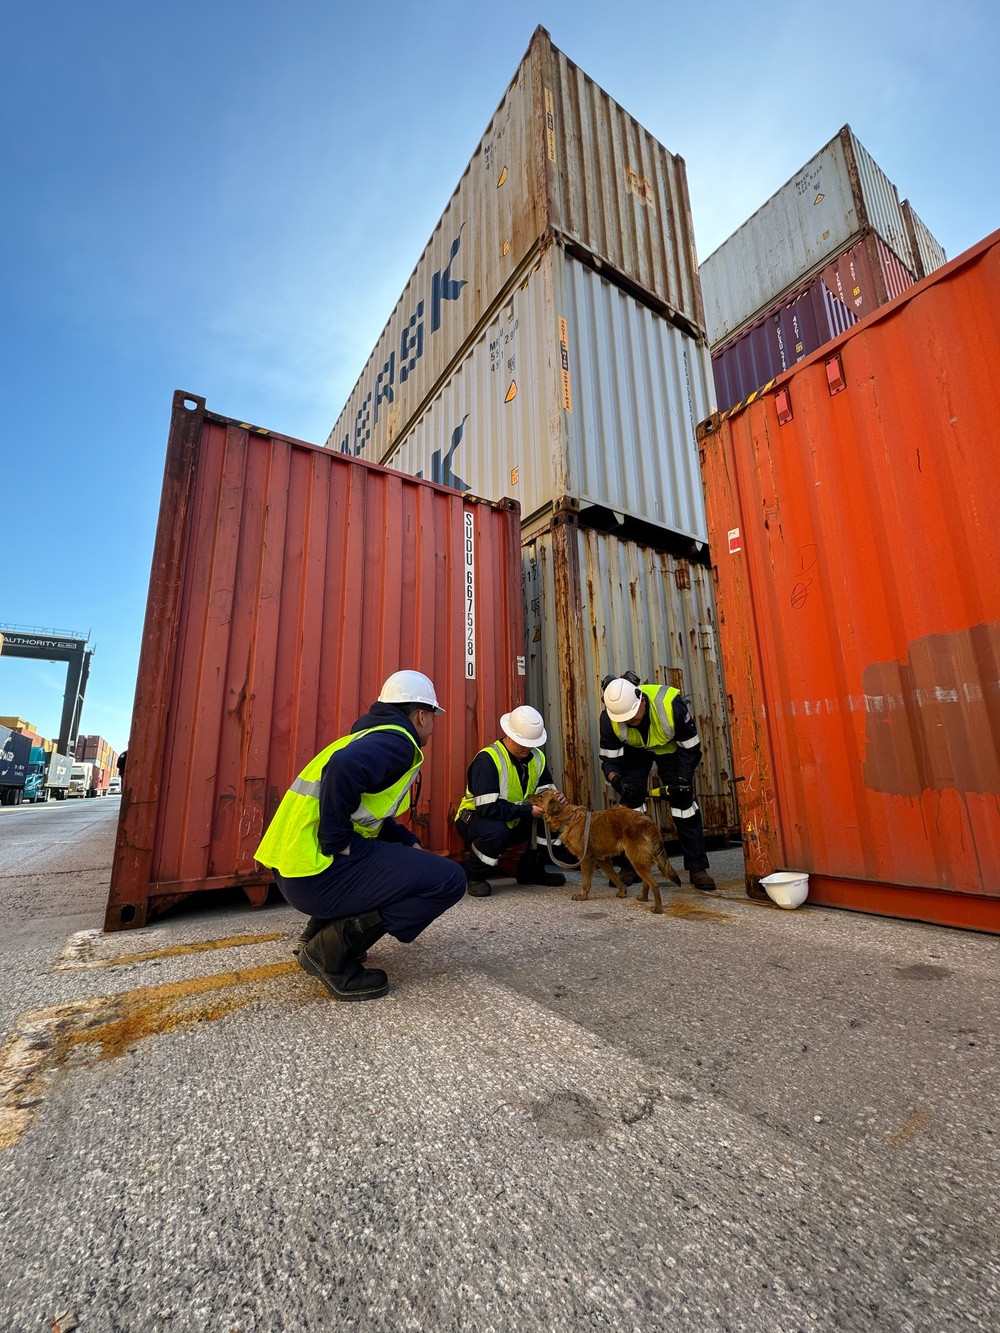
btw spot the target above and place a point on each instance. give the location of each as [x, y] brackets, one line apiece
[563, 1115]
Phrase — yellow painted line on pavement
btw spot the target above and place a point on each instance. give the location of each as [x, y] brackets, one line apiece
[78, 953]
[105, 1027]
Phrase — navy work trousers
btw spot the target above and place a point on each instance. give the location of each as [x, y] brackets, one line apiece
[635, 769]
[408, 886]
[490, 838]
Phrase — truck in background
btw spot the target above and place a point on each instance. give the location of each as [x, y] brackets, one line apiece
[15, 758]
[81, 779]
[34, 782]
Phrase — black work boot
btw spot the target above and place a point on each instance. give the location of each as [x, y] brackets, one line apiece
[332, 957]
[313, 926]
[365, 930]
[534, 868]
[701, 879]
[475, 875]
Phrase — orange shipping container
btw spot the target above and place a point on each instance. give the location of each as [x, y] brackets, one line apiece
[288, 581]
[852, 516]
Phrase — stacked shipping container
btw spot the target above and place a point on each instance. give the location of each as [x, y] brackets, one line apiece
[550, 346]
[831, 245]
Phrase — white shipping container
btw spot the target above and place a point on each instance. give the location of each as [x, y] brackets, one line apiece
[560, 158]
[596, 604]
[574, 390]
[928, 252]
[837, 195]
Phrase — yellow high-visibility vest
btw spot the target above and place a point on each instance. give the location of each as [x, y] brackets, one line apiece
[508, 781]
[291, 843]
[660, 699]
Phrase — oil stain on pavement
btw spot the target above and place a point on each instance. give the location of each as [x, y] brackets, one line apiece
[106, 1026]
[78, 954]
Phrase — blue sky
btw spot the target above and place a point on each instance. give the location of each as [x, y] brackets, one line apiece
[228, 198]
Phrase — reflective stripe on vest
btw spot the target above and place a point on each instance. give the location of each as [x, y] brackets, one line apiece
[291, 843]
[509, 781]
[660, 700]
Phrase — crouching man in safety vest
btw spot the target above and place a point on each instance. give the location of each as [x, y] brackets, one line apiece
[646, 724]
[339, 855]
[497, 809]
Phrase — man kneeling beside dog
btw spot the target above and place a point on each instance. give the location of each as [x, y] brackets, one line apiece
[505, 781]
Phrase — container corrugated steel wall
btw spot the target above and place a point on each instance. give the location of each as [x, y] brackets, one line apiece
[859, 606]
[595, 603]
[616, 193]
[879, 208]
[837, 196]
[928, 252]
[59, 768]
[615, 427]
[287, 583]
[864, 277]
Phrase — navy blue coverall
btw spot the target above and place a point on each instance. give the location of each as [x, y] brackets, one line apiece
[486, 829]
[627, 769]
[390, 873]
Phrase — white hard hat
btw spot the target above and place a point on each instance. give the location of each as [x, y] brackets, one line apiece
[623, 700]
[524, 725]
[410, 687]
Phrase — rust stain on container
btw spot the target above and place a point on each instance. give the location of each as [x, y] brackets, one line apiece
[860, 625]
[948, 693]
[288, 582]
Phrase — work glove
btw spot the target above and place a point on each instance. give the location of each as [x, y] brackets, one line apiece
[633, 794]
[615, 780]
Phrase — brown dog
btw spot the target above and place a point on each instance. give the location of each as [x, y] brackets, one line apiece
[612, 831]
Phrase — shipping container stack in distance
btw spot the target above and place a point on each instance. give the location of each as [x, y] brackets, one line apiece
[550, 346]
[832, 245]
[852, 516]
[101, 761]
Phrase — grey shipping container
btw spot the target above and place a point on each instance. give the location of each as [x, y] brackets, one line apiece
[596, 603]
[928, 252]
[573, 391]
[839, 194]
[559, 158]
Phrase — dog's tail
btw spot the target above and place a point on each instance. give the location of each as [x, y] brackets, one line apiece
[665, 868]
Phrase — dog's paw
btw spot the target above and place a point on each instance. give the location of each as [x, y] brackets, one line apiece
[657, 911]
[578, 898]
[622, 893]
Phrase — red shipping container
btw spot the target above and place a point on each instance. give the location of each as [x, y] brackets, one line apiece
[288, 581]
[852, 513]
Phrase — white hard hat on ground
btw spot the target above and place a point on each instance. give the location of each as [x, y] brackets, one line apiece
[410, 687]
[623, 700]
[524, 725]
